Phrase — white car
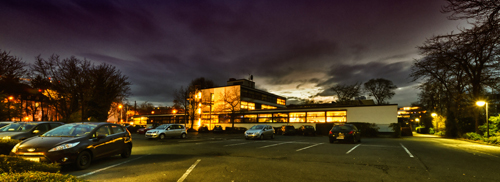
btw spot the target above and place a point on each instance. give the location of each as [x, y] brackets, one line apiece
[260, 131]
[167, 130]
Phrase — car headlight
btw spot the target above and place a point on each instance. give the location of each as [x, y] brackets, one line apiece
[14, 150]
[6, 137]
[64, 146]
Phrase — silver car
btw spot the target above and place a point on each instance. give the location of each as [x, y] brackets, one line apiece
[167, 130]
[260, 131]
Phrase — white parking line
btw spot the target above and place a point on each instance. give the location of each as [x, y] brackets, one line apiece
[309, 147]
[407, 151]
[274, 145]
[237, 144]
[352, 149]
[188, 171]
[102, 169]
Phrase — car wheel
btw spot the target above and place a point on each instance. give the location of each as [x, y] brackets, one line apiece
[331, 140]
[183, 136]
[272, 136]
[127, 151]
[83, 160]
[359, 140]
[262, 137]
[246, 138]
[162, 136]
[353, 139]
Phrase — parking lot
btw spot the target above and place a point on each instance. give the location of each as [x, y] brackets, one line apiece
[229, 157]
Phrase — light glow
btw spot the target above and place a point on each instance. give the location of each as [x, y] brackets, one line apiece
[480, 103]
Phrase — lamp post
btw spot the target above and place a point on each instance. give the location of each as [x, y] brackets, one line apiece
[174, 111]
[9, 100]
[481, 104]
[120, 107]
[434, 116]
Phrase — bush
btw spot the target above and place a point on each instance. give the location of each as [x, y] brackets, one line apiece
[37, 176]
[14, 164]
[367, 129]
[7, 145]
[440, 133]
[472, 136]
[397, 129]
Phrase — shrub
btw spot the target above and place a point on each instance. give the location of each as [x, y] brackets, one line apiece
[397, 129]
[14, 164]
[440, 133]
[37, 176]
[7, 145]
[472, 136]
[367, 129]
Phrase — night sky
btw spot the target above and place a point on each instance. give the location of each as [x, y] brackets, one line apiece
[296, 49]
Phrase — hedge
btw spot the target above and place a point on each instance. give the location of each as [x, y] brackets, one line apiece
[7, 145]
[14, 164]
[367, 129]
[37, 176]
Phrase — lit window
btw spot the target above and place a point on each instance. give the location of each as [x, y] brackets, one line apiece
[268, 107]
[247, 105]
[281, 101]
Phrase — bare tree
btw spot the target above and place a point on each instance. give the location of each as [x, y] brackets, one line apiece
[181, 97]
[346, 93]
[229, 101]
[381, 89]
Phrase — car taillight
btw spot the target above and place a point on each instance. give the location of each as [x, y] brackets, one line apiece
[331, 133]
[351, 132]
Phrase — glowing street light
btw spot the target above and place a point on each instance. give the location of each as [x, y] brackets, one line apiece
[434, 114]
[481, 104]
[121, 111]
[10, 98]
[174, 111]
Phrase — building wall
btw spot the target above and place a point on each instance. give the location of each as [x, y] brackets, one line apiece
[383, 116]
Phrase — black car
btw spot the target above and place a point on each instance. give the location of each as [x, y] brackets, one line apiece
[287, 130]
[306, 130]
[217, 129]
[77, 143]
[24, 130]
[344, 132]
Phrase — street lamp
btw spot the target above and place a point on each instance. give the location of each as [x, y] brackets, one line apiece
[10, 98]
[481, 104]
[174, 111]
[120, 107]
[433, 114]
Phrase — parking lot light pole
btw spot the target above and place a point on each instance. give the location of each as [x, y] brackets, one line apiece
[120, 107]
[8, 110]
[481, 104]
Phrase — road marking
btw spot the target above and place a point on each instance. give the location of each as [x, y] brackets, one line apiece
[407, 151]
[353, 149]
[272, 145]
[102, 169]
[309, 147]
[188, 171]
[238, 144]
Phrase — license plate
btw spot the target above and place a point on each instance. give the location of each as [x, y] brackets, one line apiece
[341, 136]
[34, 159]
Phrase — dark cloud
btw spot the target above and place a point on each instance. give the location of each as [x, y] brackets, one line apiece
[163, 45]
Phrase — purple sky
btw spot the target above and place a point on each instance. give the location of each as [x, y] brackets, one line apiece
[292, 48]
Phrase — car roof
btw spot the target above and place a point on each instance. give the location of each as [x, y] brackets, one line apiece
[40, 122]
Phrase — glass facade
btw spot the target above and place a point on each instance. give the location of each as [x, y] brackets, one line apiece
[316, 117]
[336, 116]
[297, 117]
[265, 118]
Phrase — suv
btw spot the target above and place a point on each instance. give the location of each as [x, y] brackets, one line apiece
[167, 130]
[24, 130]
[287, 130]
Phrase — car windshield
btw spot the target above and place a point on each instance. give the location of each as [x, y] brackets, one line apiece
[163, 126]
[257, 127]
[3, 124]
[17, 127]
[342, 127]
[70, 130]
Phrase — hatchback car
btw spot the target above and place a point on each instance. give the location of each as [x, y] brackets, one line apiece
[306, 130]
[167, 130]
[76, 143]
[144, 130]
[344, 132]
[287, 130]
[260, 131]
[24, 130]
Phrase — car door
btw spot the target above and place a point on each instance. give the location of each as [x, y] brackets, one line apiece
[118, 138]
[40, 129]
[102, 146]
[176, 130]
[269, 131]
[169, 131]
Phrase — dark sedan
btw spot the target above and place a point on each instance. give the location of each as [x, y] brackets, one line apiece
[345, 132]
[287, 130]
[77, 143]
[24, 130]
[306, 130]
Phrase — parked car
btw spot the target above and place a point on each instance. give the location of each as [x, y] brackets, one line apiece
[24, 130]
[203, 129]
[306, 130]
[287, 130]
[260, 131]
[144, 130]
[167, 130]
[4, 123]
[217, 129]
[344, 132]
[76, 143]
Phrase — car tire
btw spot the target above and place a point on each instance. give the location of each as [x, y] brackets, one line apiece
[272, 136]
[83, 160]
[127, 151]
[246, 138]
[262, 137]
[354, 139]
[183, 136]
[162, 136]
[331, 140]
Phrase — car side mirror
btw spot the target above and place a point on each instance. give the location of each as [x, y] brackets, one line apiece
[36, 131]
[168, 128]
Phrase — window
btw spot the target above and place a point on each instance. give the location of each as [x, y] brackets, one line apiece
[265, 118]
[103, 130]
[42, 128]
[296, 117]
[116, 129]
[54, 125]
[250, 118]
[281, 101]
[247, 105]
[280, 117]
[315, 117]
[336, 116]
[268, 107]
